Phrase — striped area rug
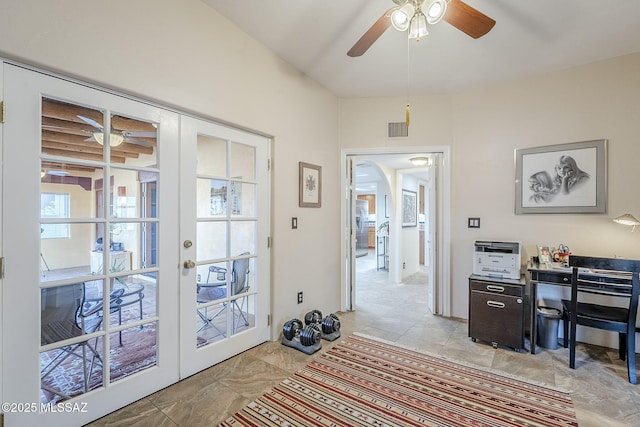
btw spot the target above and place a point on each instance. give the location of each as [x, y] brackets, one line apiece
[363, 381]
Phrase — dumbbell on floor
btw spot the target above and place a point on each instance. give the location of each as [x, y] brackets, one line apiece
[329, 325]
[306, 339]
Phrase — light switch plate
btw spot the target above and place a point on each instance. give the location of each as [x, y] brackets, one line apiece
[474, 223]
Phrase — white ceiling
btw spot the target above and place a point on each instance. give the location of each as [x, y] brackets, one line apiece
[530, 37]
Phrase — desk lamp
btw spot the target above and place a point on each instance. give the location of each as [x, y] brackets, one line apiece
[627, 219]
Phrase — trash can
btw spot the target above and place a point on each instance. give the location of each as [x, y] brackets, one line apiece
[548, 322]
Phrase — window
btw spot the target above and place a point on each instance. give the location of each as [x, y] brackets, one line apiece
[54, 205]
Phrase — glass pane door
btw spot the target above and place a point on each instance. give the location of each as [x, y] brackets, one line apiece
[224, 298]
[87, 325]
[91, 225]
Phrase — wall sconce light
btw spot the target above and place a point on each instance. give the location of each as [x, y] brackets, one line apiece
[627, 219]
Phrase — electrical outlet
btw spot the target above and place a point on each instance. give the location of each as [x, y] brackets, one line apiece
[404, 265]
[300, 297]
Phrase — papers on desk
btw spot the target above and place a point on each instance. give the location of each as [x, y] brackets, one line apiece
[556, 266]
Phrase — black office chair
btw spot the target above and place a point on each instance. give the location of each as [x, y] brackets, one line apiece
[611, 277]
[211, 291]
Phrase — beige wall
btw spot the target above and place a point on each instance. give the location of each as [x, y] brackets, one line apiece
[183, 54]
[483, 127]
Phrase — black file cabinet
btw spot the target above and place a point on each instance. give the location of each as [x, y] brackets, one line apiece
[497, 311]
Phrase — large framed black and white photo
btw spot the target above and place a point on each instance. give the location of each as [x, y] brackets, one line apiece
[564, 178]
[409, 208]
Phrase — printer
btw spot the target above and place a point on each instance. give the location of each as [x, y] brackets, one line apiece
[498, 259]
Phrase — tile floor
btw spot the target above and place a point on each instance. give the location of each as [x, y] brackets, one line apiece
[600, 392]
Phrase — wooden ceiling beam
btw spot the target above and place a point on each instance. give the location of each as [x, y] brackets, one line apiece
[77, 155]
[131, 125]
[87, 149]
[70, 147]
[66, 127]
[49, 165]
[63, 111]
[66, 138]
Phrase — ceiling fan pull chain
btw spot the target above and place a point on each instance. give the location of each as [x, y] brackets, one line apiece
[408, 115]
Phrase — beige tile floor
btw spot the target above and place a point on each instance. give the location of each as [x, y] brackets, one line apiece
[599, 389]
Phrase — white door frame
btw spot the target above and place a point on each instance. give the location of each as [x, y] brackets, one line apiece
[442, 238]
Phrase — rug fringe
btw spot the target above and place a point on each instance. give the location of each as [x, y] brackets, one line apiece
[493, 371]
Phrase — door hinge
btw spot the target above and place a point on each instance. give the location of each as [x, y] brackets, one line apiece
[269, 242]
[1, 111]
[268, 320]
[268, 164]
[1, 267]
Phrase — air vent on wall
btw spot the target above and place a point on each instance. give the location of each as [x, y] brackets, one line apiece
[398, 130]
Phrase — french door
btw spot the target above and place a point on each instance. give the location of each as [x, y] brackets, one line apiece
[100, 303]
[224, 188]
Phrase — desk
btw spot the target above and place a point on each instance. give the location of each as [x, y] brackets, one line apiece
[558, 276]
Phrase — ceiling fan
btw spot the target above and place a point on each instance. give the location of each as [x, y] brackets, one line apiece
[414, 15]
[116, 137]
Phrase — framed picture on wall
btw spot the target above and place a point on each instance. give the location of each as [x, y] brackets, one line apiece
[409, 208]
[565, 178]
[310, 185]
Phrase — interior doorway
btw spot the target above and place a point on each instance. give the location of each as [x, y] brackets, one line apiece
[390, 258]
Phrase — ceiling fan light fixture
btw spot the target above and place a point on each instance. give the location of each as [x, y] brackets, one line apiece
[115, 139]
[436, 11]
[418, 26]
[401, 17]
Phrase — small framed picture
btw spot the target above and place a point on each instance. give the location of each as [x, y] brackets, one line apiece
[310, 185]
[409, 208]
[544, 255]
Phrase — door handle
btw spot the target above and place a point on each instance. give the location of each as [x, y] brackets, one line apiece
[495, 304]
[189, 264]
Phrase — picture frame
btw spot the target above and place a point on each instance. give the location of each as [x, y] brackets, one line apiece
[545, 256]
[563, 178]
[310, 185]
[409, 208]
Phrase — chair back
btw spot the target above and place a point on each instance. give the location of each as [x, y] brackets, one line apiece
[240, 275]
[614, 277]
[58, 307]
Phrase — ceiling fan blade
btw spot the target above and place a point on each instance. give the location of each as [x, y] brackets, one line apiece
[467, 19]
[372, 34]
[140, 134]
[90, 121]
